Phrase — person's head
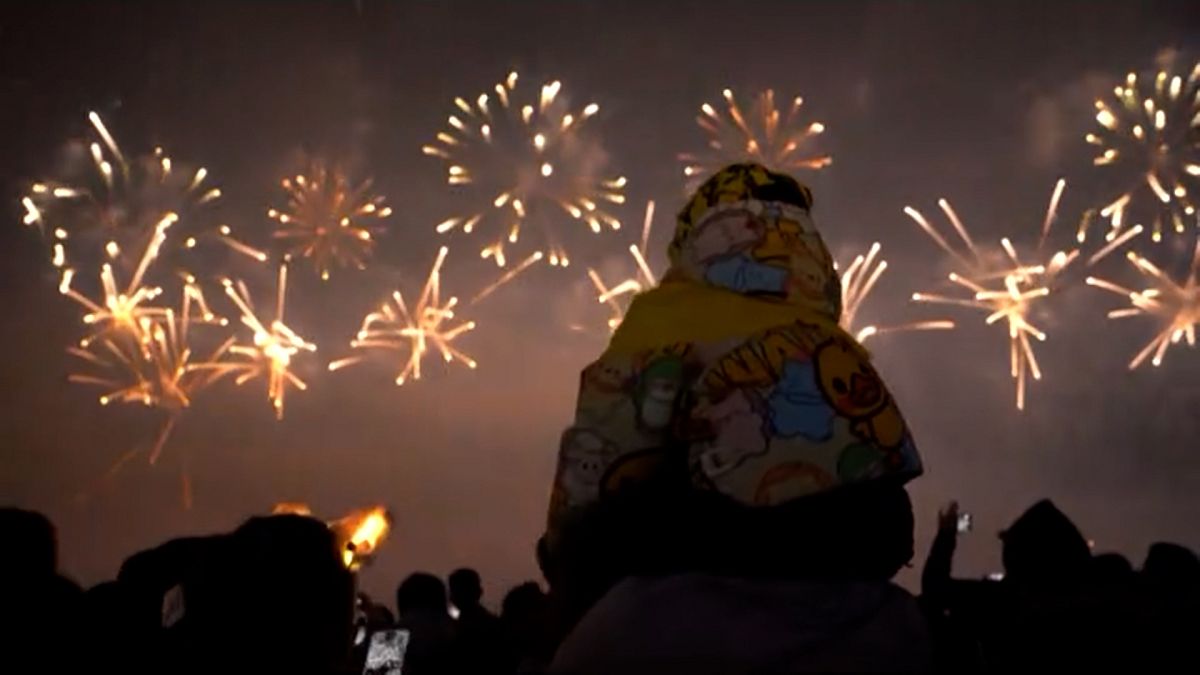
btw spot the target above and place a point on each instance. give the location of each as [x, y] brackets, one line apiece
[31, 542]
[1171, 565]
[274, 594]
[522, 602]
[1044, 547]
[466, 588]
[749, 229]
[421, 592]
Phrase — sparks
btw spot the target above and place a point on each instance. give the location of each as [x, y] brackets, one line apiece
[858, 280]
[328, 220]
[430, 325]
[1149, 134]
[1002, 285]
[778, 141]
[269, 355]
[150, 361]
[1175, 304]
[643, 278]
[121, 310]
[525, 163]
[109, 202]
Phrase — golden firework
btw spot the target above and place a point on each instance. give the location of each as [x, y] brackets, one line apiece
[858, 280]
[527, 161]
[328, 220]
[429, 326]
[121, 311]
[146, 358]
[765, 136]
[1175, 304]
[1004, 286]
[643, 277]
[1151, 127]
[269, 355]
[113, 201]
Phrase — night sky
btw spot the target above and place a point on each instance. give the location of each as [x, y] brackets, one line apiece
[984, 103]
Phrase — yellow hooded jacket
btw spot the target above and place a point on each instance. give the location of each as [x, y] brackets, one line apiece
[737, 360]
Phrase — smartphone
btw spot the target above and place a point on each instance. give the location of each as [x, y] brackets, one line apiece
[385, 654]
[964, 522]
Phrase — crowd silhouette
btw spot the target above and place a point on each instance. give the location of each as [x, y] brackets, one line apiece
[273, 596]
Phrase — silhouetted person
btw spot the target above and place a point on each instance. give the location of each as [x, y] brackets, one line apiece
[1170, 583]
[421, 610]
[37, 605]
[274, 596]
[478, 644]
[524, 615]
[144, 580]
[730, 495]
[1054, 608]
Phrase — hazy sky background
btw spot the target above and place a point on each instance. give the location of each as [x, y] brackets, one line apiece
[983, 103]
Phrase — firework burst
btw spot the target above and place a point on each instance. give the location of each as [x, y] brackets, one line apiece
[1151, 128]
[113, 201]
[269, 355]
[528, 162]
[1175, 304]
[780, 141]
[430, 325]
[1004, 286]
[858, 280]
[151, 365]
[616, 297]
[328, 220]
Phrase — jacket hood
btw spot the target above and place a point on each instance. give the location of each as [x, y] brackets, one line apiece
[749, 230]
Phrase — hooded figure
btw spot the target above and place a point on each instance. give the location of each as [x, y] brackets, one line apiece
[730, 497]
[735, 365]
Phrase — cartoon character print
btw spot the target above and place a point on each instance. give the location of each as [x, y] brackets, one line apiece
[860, 461]
[759, 361]
[721, 249]
[606, 376]
[790, 480]
[851, 385]
[736, 183]
[632, 468]
[656, 393]
[736, 433]
[583, 459]
[721, 233]
[797, 406]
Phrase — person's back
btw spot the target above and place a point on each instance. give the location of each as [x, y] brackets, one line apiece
[478, 642]
[1169, 584]
[273, 596]
[35, 601]
[735, 461]
[525, 618]
[421, 610]
[704, 623]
